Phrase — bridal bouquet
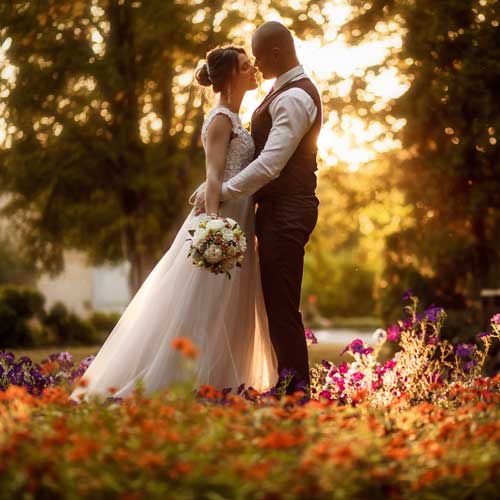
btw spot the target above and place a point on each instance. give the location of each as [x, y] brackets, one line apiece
[217, 245]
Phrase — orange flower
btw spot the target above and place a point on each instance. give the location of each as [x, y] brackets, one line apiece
[15, 393]
[399, 453]
[257, 471]
[185, 347]
[83, 382]
[432, 448]
[83, 449]
[280, 439]
[342, 455]
[209, 391]
[48, 366]
[121, 455]
[178, 469]
[55, 395]
[150, 459]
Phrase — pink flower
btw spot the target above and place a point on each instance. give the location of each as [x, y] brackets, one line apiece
[310, 337]
[496, 319]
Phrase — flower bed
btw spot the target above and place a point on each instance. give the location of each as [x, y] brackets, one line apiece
[370, 430]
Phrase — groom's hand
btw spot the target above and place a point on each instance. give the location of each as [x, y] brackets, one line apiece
[199, 202]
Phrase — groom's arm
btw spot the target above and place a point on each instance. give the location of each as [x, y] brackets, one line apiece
[292, 112]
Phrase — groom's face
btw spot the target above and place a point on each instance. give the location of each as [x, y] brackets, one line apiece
[265, 58]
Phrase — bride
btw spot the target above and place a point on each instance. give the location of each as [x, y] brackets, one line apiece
[226, 319]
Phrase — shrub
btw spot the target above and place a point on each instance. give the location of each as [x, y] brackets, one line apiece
[68, 328]
[19, 305]
[102, 322]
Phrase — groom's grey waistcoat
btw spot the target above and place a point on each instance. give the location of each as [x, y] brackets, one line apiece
[298, 176]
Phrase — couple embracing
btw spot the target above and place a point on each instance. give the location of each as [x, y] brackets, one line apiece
[248, 329]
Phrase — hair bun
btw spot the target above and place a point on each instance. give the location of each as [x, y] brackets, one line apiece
[202, 76]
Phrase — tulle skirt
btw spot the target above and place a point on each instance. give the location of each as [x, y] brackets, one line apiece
[225, 318]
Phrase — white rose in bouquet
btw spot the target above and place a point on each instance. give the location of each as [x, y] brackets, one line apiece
[215, 225]
[243, 243]
[217, 245]
[213, 254]
[199, 237]
[227, 234]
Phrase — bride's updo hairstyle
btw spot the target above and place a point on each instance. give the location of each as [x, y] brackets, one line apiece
[217, 71]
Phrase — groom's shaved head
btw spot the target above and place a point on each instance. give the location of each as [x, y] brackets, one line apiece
[274, 34]
[274, 49]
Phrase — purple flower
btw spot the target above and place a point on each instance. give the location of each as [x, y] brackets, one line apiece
[326, 364]
[358, 346]
[465, 350]
[287, 372]
[65, 357]
[393, 333]
[301, 385]
[433, 314]
[240, 388]
[407, 295]
[8, 356]
[469, 365]
[357, 376]
[483, 335]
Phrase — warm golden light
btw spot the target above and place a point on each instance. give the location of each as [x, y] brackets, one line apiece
[347, 138]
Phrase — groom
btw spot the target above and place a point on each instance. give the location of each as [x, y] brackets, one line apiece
[282, 179]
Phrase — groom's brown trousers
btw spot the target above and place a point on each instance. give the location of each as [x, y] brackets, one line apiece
[286, 215]
[283, 228]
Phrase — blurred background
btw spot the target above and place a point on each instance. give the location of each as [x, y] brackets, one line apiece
[100, 149]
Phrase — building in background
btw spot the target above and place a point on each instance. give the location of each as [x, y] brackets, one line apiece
[84, 288]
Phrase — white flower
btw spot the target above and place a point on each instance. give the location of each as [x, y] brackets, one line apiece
[243, 243]
[215, 225]
[199, 237]
[213, 254]
[227, 234]
[379, 335]
[354, 366]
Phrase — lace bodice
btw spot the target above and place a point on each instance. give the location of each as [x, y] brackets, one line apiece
[241, 148]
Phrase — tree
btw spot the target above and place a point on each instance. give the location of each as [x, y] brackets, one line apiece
[449, 165]
[105, 121]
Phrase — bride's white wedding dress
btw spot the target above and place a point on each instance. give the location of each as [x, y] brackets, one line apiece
[225, 318]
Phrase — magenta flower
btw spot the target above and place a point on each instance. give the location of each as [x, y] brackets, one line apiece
[357, 376]
[407, 323]
[310, 337]
[393, 333]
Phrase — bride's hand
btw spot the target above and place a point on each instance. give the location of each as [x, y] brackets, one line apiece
[199, 202]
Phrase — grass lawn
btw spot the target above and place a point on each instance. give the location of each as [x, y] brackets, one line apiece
[317, 352]
[37, 354]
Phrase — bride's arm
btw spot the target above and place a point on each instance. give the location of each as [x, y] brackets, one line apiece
[218, 136]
